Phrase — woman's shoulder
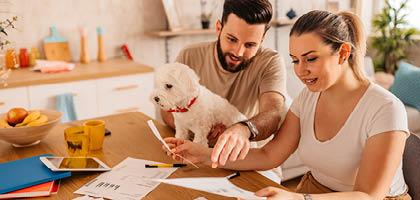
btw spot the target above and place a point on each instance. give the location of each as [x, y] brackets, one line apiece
[380, 96]
[383, 111]
[378, 101]
[306, 96]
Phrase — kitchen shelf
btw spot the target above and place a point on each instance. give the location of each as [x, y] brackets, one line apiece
[184, 32]
[168, 33]
[282, 22]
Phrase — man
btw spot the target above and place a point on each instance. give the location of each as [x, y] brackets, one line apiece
[237, 68]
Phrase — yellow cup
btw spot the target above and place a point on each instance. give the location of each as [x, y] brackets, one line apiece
[74, 163]
[77, 141]
[96, 131]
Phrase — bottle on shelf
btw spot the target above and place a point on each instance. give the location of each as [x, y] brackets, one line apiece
[101, 48]
[35, 51]
[23, 58]
[84, 53]
[10, 59]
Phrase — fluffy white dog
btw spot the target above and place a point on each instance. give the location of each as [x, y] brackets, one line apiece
[195, 108]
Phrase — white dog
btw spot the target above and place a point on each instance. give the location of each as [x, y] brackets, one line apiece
[195, 108]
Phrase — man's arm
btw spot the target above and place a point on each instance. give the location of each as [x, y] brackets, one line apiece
[168, 118]
[234, 143]
[271, 105]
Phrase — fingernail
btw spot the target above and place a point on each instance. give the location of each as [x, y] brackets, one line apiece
[214, 165]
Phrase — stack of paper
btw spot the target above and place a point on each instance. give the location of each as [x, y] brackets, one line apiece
[220, 186]
[128, 180]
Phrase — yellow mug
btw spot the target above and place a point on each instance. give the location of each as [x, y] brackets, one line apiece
[77, 141]
[96, 131]
[74, 163]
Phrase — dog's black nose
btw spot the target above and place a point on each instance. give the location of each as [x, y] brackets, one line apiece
[156, 99]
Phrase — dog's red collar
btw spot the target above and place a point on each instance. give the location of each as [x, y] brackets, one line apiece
[180, 109]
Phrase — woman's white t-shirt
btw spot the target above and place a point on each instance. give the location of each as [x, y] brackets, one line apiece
[334, 163]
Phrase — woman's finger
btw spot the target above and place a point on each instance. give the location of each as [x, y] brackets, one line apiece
[171, 140]
[266, 192]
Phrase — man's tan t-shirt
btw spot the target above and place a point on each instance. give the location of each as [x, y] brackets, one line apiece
[266, 73]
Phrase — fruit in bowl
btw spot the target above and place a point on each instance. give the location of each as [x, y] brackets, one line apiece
[16, 115]
[34, 127]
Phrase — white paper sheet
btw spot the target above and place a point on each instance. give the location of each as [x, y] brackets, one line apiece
[220, 186]
[155, 132]
[128, 180]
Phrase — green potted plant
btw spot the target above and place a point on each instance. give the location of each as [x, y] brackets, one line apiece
[393, 36]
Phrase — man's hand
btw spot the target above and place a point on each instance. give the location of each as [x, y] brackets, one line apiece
[233, 144]
[215, 132]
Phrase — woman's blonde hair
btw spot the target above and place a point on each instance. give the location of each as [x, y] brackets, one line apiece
[336, 29]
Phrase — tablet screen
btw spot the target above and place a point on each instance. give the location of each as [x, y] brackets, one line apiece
[75, 163]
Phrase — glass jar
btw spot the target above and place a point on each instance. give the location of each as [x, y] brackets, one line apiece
[35, 52]
[23, 58]
[10, 59]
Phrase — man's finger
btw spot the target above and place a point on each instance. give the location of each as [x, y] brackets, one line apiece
[235, 151]
[227, 150]
[220, 144]
[244, 151]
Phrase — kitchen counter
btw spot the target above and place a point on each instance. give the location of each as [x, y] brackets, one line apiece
[93, 70]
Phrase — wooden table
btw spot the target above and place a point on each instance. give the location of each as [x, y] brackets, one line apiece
[130, 137]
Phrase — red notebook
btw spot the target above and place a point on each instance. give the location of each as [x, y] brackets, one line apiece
[56, 186]
[43, 189]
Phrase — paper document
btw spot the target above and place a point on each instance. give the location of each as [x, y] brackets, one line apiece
[128, 180]
[220, 186]
[157, 135]
[155, 132]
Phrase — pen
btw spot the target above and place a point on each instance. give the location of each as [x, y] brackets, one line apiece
[236, 174]
[164, 165]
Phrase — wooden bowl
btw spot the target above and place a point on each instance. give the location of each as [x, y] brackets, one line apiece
[27, 136]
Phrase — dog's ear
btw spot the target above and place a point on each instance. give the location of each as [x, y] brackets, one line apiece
[193, 76]
[189, 76]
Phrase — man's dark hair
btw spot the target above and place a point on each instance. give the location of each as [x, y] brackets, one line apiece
[252, 11]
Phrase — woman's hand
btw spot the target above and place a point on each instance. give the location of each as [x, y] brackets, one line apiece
[194, 152]
[273, 193]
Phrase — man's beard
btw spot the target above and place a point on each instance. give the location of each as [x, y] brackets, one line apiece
[233, 69]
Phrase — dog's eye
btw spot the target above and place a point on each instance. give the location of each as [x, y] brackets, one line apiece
[168, 86]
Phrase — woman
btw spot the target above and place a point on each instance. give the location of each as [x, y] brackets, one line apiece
[350, 132]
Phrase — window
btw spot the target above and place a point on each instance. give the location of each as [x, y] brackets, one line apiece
[413, 15]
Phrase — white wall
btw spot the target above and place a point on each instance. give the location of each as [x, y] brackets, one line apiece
[125, 21]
